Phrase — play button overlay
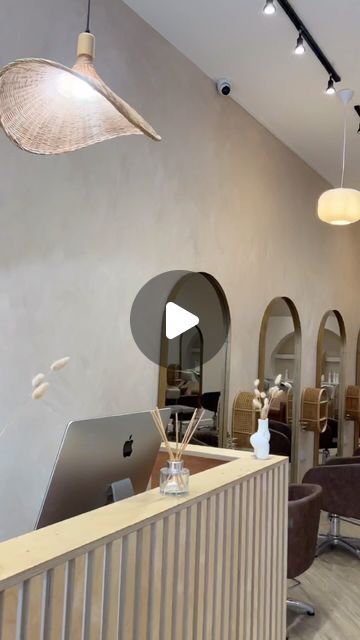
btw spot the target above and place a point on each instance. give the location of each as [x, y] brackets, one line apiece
[180, 318]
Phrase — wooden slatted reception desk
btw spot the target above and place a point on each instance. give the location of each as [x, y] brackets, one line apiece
[210, 566]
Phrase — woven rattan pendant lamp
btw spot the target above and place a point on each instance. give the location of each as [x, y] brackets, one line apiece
[47, 108]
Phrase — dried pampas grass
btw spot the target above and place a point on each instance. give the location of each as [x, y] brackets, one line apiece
[39, 383]
[40, 391]
[57, 365]
[39, 387]
[37, 380]
[262, 401]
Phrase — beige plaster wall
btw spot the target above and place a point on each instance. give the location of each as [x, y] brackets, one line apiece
[80, 234]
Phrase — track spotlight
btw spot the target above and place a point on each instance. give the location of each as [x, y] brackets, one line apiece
[305, 39]
[358, 129]
[269, 8]
[330, 91]
[299, 49]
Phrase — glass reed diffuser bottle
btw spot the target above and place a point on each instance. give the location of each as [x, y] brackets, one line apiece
[174, 479]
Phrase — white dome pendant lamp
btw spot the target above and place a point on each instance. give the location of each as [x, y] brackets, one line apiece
[48, 108]
[341, 206]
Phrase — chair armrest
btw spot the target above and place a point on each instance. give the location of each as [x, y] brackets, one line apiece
[340, 488]
[340, 461]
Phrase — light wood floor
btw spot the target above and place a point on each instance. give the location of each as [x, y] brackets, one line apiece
[332, 586]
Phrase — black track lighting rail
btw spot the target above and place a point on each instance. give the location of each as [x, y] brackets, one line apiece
[301, 28]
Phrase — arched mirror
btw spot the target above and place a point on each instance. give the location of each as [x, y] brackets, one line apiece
[193, 371]
[280, 353]
[329, 376]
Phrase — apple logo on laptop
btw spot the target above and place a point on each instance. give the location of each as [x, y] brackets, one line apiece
[128, 447]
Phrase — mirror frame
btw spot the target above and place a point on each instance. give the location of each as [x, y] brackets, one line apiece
[295, 429]
[224, 430]
[319, 350]
[357, 372]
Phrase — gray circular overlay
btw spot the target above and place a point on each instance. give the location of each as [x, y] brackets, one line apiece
[192, 291]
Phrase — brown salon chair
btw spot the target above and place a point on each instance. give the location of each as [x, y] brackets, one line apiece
[209, 436]
[280, 445]
[282, 427]
[304, 516]
[206, 438]
[205, 435]
[210, 401]
[280, 439]
[339, 479]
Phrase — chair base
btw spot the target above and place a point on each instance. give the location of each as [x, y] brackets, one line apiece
[335, 539]
[329, 541]
[302, 607]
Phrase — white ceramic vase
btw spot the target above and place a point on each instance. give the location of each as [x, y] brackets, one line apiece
[260, 440]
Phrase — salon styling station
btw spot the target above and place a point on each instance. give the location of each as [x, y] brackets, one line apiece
[211, 564]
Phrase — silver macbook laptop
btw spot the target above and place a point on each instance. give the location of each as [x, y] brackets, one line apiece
[94, 457]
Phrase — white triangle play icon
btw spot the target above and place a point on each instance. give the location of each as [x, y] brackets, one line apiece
[178, 320]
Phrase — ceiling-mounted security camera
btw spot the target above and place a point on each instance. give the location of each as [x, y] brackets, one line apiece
[223, 86]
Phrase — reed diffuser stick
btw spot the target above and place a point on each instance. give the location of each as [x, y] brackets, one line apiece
[177, 435]
[190, 431]
[160, 427]
[180, 447]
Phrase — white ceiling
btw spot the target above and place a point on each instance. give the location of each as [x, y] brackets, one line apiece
[232, 38]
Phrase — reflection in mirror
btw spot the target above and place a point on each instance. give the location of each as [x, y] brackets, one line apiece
[352, 412]
[331, 340]
[191, 376]
[185, 368]
[279, 353]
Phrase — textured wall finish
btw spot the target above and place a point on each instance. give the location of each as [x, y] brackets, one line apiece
[80, 234]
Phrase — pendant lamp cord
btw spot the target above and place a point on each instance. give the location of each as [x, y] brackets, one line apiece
[87, 30]
[344, 150]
